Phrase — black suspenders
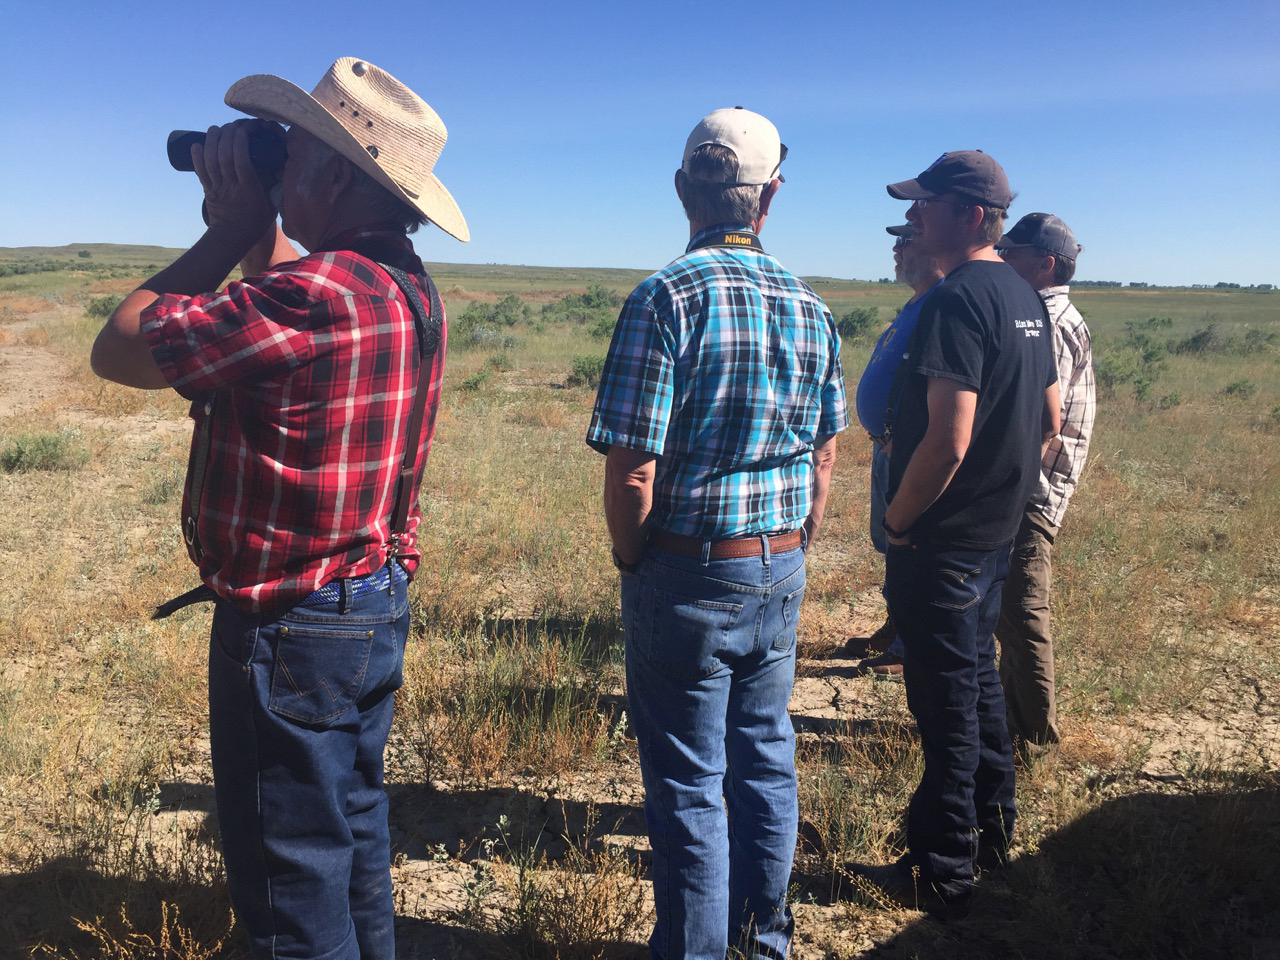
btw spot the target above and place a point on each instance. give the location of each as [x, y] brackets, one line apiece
[427, 328]
[428, 331]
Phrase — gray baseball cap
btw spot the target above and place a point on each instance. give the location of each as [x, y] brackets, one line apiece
[1045, 231]
[751, 137]
[970, 173]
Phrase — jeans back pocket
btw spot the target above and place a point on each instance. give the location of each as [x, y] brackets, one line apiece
[319, 672]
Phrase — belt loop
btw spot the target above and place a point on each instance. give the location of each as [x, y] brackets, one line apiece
[344, 595]
[706, 552]
[765, 555]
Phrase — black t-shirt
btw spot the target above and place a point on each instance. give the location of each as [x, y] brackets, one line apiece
[987, 329]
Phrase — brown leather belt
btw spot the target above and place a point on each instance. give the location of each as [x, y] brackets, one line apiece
[683, 546]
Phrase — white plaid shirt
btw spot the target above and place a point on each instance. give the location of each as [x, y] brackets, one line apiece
[1064, 460]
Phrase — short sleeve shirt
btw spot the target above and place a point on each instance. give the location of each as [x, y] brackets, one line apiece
[878, 378]
[986, 329]
[305, 378]
[727, 368]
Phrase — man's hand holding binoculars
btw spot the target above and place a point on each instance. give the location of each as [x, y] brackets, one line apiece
[237, 203]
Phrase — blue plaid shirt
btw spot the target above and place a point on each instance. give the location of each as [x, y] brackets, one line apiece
[728, 368]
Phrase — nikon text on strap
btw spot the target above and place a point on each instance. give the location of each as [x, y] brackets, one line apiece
[742, 239]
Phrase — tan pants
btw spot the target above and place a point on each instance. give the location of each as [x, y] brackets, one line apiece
[1026, 644]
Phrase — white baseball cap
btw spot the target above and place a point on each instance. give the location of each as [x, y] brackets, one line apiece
[751, 137]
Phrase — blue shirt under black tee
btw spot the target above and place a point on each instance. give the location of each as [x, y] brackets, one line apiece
[986, 328]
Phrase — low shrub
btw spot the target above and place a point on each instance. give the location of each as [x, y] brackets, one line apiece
[27, 452]
[587, 370]
[476, 380]
[1241, 389]
[858, 323]
[103, 306]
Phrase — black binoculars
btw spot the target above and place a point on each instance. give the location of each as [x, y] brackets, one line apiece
[266, 150]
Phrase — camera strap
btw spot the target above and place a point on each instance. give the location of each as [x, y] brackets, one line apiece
[743, 239]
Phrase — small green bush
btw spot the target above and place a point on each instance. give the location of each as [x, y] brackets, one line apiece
[1138, 360]
[28, 452]
[598, 306]
[603, 329]
[103, 306]
[1207, 340]
[476, 380]
[1242, 389]
[858, 323]
[587, 370]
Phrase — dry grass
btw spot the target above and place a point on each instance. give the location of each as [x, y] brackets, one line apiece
[1155, 811]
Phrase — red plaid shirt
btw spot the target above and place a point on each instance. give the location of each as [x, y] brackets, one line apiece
[312, 368]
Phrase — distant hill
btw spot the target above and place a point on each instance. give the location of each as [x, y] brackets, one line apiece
[110, 253]
[473, 276]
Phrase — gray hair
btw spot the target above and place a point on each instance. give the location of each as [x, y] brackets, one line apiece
[707, 197]
[383, 205]
[1064, 268]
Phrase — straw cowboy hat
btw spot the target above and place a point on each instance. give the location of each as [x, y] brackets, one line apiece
[373, 120]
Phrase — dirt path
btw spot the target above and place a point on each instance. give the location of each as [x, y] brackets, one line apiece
[32, 376]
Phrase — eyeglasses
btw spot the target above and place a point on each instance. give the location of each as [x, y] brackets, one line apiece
[954, 204]
[777, 171]
[901, 242]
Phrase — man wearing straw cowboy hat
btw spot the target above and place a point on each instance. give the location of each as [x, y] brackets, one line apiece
[314, 385]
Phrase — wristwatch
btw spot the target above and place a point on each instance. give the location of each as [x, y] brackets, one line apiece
[894, 534]
[624, 567]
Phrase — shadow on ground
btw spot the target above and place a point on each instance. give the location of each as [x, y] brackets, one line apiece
[42, 907]
[1147, 875]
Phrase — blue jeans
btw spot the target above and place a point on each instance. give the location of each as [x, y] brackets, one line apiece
[946, 601]
[880, 504]
[710, 665]
[879, 497]
[299, 712]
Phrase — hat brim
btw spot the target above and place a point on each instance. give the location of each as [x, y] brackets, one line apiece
[269, 97]
[1007, 242]
[910, 190]
[903, 230]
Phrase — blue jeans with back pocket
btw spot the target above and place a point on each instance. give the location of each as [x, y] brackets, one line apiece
[710, 665]
[299, 712]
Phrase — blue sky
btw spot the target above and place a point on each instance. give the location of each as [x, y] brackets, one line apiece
[1152, 128]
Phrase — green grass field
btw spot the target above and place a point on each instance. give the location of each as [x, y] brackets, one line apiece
[1150, 832]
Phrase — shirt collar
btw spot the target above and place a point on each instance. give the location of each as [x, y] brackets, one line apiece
[350, 239]
[380, 244]
[702, 235]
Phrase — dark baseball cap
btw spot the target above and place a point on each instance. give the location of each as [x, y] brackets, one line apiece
[1045, 231]
[970, 173]
[905, 230]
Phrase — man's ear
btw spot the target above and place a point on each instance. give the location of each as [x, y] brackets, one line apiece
[340, 173]
[974, 216]
[680, 180]
[1048, 263]
[767, 193]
